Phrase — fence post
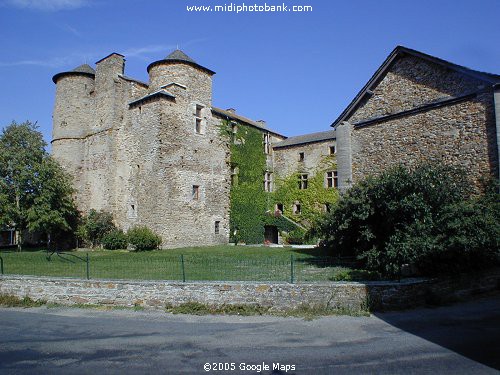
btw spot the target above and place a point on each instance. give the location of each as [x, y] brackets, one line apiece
[88, 268]
[183, 270]
[291, 269]
[1, 265]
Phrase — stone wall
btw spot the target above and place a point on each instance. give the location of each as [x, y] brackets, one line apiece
[410, 83]
[281, 296]
[74, 110]
[316, 157]
[198, 83]
[140, 162]
[460, 132]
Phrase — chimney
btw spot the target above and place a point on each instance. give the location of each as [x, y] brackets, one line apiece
[262, 123]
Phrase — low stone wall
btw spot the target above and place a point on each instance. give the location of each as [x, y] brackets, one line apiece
[279, 296]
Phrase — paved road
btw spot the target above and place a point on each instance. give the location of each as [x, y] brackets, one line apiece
[459, 339]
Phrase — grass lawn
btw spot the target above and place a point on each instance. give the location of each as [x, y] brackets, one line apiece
[216, 263]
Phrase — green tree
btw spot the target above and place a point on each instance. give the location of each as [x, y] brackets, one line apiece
[53, 211]
[33, 188]
[425, 217]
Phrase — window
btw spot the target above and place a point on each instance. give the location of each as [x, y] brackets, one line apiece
[296, 209]
[332, 179]
[267, 182]
[279, 207]
[217, 227]
[267, 144]
[132, 211]
[301, 156]
[327, 207]
[303, 181]
[196, 192]
[332, 150]
[198, 121]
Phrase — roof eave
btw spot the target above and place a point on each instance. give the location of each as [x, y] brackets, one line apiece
[174, 61]
[163, 94]
[228, 116]
[303, 143]
[360, 95]
[57, 76]
[398, 51]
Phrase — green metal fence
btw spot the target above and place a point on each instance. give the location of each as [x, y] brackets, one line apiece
[177, 268]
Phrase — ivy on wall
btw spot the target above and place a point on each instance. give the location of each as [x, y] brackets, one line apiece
[313, 199]
[248, 201]
[250, 205]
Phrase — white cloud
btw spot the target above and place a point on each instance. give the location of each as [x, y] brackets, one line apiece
[71, 30]
[46, 5]
[66, 62]
[51, 63]
[144, 52]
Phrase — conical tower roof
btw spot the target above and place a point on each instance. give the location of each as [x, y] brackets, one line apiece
[84, 69]
[179, 57]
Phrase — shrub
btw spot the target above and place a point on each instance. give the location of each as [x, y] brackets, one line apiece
[95, 225]
[114, 240]
[466, 237]
[295, 237]
[143, 238]
[423, 217]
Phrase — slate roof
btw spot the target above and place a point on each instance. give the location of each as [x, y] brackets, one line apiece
[130, 79]
[306, 138]
[158, 93]
[178, 56]
[400, 51]
[236, 117]
[83, 69]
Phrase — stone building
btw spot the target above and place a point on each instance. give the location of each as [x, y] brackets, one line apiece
[417, 107]
[153, 154]
[150, 153]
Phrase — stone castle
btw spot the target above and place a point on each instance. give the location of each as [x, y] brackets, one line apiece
[152, 153]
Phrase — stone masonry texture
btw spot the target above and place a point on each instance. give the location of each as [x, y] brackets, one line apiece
[461, 133]
[278, 296]
[140, 160]
[141, 150]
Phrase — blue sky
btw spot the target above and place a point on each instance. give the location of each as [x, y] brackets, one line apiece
[297, 71]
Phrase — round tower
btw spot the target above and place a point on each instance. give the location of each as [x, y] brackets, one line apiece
[73, 107]
[178, 68]
[72, 117]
